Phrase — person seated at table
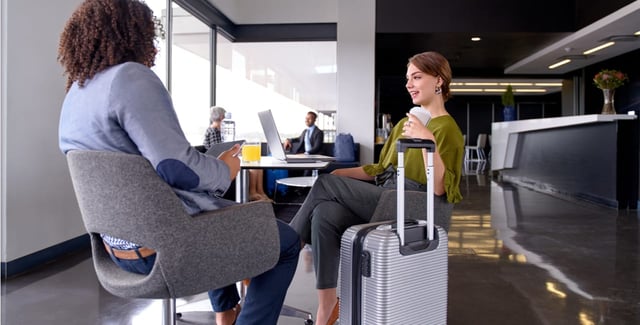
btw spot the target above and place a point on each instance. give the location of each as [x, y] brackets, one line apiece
[310, 140]
[114, 102]
[213, 135]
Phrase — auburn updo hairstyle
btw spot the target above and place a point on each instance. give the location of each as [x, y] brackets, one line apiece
[435, 64]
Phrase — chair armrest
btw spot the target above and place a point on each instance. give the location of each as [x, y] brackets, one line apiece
[218, 248]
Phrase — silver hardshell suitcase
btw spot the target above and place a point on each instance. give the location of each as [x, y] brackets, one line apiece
[396, 277]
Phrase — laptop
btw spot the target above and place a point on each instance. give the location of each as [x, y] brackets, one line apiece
[275, 146]
[218, 148]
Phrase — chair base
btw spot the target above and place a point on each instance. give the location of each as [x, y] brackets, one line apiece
[208, 317]
[173, 317]
[290, 311]
[196, 317]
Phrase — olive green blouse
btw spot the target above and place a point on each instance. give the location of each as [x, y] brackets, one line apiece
[449, 144]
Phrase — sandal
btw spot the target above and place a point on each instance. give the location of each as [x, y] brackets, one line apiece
[335, 314]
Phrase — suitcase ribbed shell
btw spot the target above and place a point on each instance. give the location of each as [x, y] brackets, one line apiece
[402, 289]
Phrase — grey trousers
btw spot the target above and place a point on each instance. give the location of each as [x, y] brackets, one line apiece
[334, 204]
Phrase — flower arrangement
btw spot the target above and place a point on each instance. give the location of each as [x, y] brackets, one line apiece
[609, 79]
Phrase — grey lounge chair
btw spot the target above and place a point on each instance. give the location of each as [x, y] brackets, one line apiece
[121, 195]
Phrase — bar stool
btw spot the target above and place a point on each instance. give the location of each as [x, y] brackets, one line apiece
[478, 149]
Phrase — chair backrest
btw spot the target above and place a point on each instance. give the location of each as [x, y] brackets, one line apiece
[482, 140]
[121, 195]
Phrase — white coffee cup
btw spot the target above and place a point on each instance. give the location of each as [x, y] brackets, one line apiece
[422, 114]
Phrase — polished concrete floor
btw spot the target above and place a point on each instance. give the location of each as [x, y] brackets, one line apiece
[516, 257]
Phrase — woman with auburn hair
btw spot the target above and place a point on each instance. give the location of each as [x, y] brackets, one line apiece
[115, 102]
[341, 199]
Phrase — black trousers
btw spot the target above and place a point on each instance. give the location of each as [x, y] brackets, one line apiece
[333, 205]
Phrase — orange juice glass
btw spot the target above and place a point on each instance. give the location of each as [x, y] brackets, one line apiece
[251, 152]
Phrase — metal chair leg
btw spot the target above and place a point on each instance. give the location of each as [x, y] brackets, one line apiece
[168, 311]
[290, 311]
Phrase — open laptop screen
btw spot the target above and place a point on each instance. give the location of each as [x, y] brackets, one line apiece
[275, 146]
[272, 135]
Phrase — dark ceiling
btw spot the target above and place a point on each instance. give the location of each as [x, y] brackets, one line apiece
[510, 31]
[486, 59]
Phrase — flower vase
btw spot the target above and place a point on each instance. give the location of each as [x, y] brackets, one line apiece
[509, 113]
[608, 107]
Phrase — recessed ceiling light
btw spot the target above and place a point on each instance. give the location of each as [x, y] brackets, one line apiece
[516, 84]
[469, 90]
[493, 87]
[620, 38]
[549, 84]
[494, 90]
[522, 90]
[476, 39]
[563, 62]
[598, 48]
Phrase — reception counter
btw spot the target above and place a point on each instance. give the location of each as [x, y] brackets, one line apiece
[588, 157]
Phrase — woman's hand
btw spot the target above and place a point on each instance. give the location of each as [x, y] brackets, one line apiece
[230, 157]
[413, 128]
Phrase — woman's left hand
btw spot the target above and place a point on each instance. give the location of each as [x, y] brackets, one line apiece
[413, 128]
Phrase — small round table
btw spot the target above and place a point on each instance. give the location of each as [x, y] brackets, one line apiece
[301, 181]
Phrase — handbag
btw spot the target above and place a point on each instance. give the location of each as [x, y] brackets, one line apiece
[387, 179]
[383, 177]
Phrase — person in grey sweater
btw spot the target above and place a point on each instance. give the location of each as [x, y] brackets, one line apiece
[115, 102]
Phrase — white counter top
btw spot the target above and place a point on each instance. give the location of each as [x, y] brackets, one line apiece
[504, 135]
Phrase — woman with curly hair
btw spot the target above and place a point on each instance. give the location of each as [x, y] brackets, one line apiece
[115, 102]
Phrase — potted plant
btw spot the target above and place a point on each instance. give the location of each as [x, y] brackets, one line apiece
[508, 101]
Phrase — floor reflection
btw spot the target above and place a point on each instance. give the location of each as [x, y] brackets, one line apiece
[556, 261]
[516, 256]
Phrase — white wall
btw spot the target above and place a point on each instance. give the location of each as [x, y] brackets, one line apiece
[356, 73]
[39, 206]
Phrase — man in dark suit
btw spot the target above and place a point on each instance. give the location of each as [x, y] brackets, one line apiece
[311, 139]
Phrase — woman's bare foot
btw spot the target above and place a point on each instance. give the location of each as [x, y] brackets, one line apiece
[259, 197]
[327, 301]
[228, 317]
[255, 197]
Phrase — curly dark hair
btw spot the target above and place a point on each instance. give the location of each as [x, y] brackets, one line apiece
[104, 33]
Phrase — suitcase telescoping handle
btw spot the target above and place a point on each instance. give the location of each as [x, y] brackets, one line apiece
[402, 145]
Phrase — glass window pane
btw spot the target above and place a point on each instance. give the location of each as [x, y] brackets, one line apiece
[290, 78]
[159, 8]
[190, 74]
